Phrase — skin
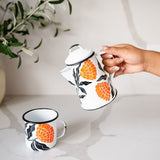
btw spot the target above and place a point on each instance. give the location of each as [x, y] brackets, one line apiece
[129, 59]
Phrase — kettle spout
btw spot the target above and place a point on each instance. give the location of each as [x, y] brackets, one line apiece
[67, 73]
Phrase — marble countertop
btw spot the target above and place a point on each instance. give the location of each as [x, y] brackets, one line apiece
[127, 129]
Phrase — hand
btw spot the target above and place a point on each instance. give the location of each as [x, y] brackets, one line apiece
[128, 59]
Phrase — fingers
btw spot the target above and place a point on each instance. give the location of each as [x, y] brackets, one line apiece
[118, 70]
[114, 65]
[112, 62]
[111, 69]
[121, 45]
[105, 56]
[114, 50]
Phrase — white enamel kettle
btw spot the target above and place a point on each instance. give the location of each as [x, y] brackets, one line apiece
[93, 84]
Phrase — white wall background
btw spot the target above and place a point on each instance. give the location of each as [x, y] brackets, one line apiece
[93, 23]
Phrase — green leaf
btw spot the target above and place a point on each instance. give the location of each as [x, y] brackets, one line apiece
[23, 32]
[25, 50]
[5, 27]
[11, 54]
[8, 5]
[36, 18]
[37, 60]
[70, 7]
[41, 2]
[3, 49]
[11, 39]
[7, 51]
[38, 44]
[19, 51]
[25, 43]
[66, 30]
[15, 44]
[32, 25]
[56, 2]
[16, 10]
[43, 24]
[14, 20]
[21, 9]
[56, 34]
[10, 27]
[20, 61]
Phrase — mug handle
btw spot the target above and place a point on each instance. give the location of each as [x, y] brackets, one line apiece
[111, 74]
[64, 129]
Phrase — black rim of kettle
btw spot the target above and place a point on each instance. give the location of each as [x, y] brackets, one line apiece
[81, 61]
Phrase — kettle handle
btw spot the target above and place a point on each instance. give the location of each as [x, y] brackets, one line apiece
[111, 74]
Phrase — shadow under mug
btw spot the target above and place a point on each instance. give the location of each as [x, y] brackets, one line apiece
[41, 128]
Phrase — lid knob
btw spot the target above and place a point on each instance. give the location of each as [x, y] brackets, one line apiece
[77, 54]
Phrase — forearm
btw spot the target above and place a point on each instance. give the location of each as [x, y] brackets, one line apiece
[152, 62]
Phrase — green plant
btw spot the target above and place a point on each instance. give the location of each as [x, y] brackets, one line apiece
[17, 21]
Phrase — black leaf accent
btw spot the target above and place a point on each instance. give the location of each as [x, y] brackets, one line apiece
[33, 146]
[82, 96]
[103, 77]
[74, 75]
[77, 73]
[85, 83]
[99, 65]
[26, 124]
[83, 90]
[112, 92]
[71, 83]
[77, 69]
[41, 146]
[30, 130]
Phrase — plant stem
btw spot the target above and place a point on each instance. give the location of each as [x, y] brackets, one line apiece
[36, 9]
[23, 21]
[27, 17]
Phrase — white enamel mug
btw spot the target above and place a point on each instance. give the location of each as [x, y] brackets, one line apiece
[41, 128]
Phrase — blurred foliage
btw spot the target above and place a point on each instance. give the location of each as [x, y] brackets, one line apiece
[17, 20]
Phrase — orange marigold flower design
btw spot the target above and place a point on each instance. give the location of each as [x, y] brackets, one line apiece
[88, 70]
[45, 133]
[103, 90]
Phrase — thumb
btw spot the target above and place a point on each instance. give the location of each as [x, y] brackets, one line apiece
[116, 51]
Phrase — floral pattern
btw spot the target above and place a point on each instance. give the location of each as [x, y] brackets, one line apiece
[44, 133]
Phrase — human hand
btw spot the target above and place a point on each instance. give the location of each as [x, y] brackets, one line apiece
[128, 59]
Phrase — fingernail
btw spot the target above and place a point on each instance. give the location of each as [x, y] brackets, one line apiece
[115, 68]
[105, 47]
[122, 68]
[109, 56]
[120, 60]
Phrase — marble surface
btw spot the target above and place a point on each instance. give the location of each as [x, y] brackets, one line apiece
[128, 128]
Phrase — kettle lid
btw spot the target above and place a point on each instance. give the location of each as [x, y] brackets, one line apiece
[77, 54]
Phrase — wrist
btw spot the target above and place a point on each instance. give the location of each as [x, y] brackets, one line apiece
[151, 62]
[147, 55]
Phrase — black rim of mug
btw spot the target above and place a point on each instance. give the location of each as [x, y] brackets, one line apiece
[35, 122]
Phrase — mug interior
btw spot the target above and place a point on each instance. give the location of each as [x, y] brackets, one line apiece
[40, 115]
